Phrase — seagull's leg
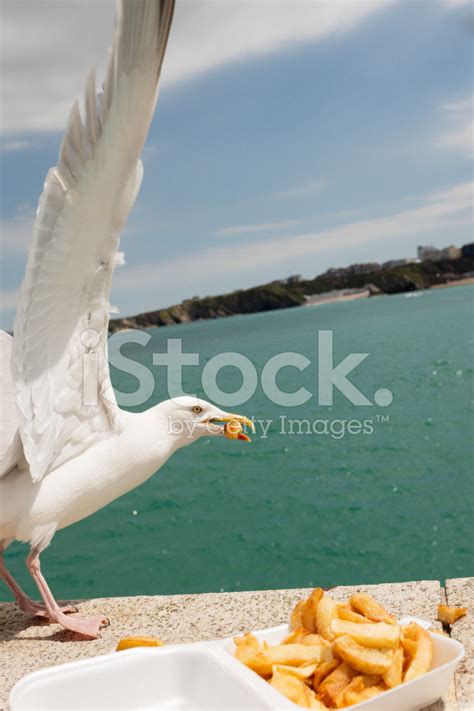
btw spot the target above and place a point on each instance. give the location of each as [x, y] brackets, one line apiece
[89, 627]
[21, 598]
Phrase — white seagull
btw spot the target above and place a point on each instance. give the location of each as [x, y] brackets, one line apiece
[66, 448]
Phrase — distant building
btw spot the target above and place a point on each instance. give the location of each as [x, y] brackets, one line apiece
[425, 252]
[433, 254]
[335, 272]
[392, 263]
[364, 268]
[294, 279]
[289, 281]
[467, 250]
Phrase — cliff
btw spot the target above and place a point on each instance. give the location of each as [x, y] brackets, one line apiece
[245, 301]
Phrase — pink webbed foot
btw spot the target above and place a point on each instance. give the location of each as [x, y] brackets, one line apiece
[87, 626]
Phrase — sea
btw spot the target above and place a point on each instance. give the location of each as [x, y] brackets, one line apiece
[385, 496]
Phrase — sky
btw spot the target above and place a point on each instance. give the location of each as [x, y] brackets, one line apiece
[290, 136]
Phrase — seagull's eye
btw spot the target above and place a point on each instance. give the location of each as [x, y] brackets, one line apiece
[197, 409]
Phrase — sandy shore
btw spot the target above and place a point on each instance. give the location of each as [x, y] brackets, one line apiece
[319, 299]
[457, 282]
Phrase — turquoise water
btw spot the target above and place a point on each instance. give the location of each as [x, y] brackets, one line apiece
[297, 510]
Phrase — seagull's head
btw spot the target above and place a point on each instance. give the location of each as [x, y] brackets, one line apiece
[189, 418]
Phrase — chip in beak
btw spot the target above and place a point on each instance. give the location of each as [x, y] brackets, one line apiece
[233, 426]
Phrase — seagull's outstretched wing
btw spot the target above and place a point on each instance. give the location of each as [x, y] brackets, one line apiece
[60, 332]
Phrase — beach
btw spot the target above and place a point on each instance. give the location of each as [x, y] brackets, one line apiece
[331, 297]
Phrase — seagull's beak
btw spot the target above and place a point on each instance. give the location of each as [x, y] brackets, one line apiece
[232, 428]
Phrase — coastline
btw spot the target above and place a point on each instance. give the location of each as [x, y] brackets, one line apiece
[342, 285]
[321, 299]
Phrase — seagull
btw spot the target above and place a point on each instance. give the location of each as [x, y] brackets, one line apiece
[66, 448]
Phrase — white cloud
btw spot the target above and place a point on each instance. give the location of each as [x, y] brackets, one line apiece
[314, 186]
[459, 135]
[15, 145]
[252, 229]
[225, 267]
[49, 47]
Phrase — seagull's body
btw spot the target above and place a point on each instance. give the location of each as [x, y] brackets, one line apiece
[66, 448]
[34, 511]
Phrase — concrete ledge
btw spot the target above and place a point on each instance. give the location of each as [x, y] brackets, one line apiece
[460, 593]
[27, 645]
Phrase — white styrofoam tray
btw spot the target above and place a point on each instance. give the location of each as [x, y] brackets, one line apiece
[203, 676]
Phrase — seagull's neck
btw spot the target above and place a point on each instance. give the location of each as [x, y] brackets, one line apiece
[148, 442]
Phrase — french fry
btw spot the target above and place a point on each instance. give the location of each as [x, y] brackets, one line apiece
[393, 676]
[367, 606]
[371, 679]
[232, 429]
[308, 610]
[295, 690]
[131, 642]
[263, 660]
[296, 635]
[247, 640]
[409, 645]
[296, 621]
[376, 634]
[246, 647]
[313, 639]
[322, 671]
[410, 631]
[449, 615]
[297, 654]
[335, 682]
[421, 659]
[345, 613]
[253, 657]
[363, 659]
[303, 672]
[325, 613]
[302, 636]
[355, 696]
[355, 686]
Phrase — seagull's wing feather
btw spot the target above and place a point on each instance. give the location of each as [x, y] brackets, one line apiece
[10, 443]
[60, 343]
